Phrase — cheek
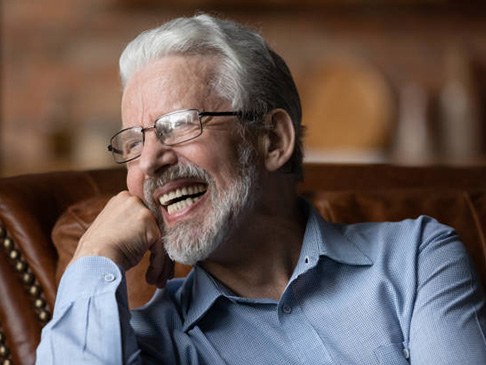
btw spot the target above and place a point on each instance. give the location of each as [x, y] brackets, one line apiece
[135, 179]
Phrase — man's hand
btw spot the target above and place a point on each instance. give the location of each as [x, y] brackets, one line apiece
[123, 232]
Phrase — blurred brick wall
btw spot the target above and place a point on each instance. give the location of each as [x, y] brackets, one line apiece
[60, 90]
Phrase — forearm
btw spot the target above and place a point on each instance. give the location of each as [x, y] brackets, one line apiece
[90, 324]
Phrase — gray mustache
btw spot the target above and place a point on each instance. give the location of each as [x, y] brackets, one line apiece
[181, 171]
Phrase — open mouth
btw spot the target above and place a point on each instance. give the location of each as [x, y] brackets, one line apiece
[181, 198]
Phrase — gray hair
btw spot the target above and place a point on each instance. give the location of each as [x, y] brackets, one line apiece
[250, 74]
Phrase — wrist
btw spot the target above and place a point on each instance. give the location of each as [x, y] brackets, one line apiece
[101, 251]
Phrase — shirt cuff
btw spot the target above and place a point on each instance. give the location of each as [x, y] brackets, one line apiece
[87, 277]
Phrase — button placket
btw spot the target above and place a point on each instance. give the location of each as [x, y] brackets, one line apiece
[294, 323]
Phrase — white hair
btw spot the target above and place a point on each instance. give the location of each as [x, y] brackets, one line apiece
[250, 75]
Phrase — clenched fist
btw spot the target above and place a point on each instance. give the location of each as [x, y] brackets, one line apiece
[123, 231]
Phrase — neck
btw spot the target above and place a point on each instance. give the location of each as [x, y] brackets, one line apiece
[259, 257]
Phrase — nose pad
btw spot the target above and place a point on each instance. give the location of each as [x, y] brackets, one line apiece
[155, 155]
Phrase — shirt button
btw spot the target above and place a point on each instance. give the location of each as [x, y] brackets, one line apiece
[109, 277]
[287, 309]
[406, 353]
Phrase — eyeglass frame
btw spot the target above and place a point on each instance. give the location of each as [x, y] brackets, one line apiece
[200, 114]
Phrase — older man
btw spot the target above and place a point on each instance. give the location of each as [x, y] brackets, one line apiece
[212, 141]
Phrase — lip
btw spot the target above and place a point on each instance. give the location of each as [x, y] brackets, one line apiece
[172, 186]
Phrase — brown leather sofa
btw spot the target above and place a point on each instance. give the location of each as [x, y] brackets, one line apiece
[42, 216]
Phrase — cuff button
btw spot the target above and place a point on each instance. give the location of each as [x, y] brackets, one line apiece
[109, 277]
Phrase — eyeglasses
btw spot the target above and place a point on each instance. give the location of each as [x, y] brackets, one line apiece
[171, 129]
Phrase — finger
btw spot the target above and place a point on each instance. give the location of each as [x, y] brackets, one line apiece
[161, 268]
[167, 273]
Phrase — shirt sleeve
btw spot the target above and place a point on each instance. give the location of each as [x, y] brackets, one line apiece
[449, 318]
[90, 323]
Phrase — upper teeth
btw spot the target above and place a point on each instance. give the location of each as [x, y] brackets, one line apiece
[175, 194]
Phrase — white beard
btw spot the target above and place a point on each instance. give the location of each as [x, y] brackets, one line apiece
[194, 240]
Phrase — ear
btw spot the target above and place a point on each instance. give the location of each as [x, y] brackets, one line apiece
[279, 141]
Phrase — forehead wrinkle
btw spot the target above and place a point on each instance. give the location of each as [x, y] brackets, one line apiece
[132, 100]
[169, 84]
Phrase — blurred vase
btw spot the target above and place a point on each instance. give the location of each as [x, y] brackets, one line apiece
[459, 110]
[413, 143]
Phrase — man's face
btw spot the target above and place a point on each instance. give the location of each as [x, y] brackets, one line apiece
[198, 189]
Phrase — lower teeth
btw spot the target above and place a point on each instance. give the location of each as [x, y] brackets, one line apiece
[178, 206]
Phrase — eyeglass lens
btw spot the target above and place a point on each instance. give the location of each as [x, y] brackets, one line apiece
[171, 129]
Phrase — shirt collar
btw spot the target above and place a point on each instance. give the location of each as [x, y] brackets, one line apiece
[325, 239]
[199, 292]
[321, 238]
[331, 241]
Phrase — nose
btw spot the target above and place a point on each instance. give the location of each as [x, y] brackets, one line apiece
[155, 155]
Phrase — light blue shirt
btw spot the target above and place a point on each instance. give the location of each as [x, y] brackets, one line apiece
[370, 293]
